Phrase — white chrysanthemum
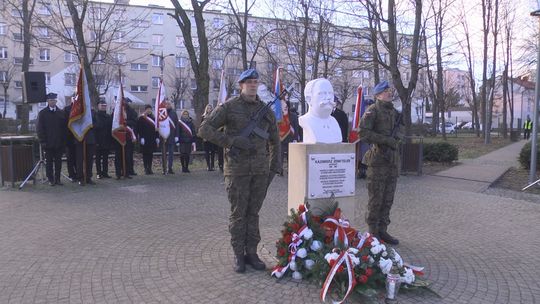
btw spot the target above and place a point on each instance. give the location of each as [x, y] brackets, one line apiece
[376, 249]
[397, 258]
[293, 266]
[308, 234]
[408, 277]
[316, 245]
[355, 260]
[309, 264]
[385, 265]
[301, 253]
[331, 256]
[297, 275]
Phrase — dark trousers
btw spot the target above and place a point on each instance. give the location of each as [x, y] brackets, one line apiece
[526, 134]
[147, 161]
[209, 154]
[70, 160]
[53, 157]
[102, 161]
[129, 157]
[246, 194]
[184, 160]
[220, 158]
[85, 160]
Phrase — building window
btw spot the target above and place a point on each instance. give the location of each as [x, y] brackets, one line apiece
[139, 45]
[139, 88]
[156, 61]
[181, 62]
[193, 84]
[217, 64]
[355, 53]
[290, 67]
[19, 60]
[18, 36]
[70, 79]
[157, 18]
[338, 53]
[291, 49]
[44, 55]
[18, 84]
[157, 39]
[16, 13]
[218, 23]
[141, 23]
[119, 36]
[405, 60]
[47, 78]
[3, 29]
[139, 66]
[3, 76]
[70, 33]
[44, 9]
[120, 58]
[339, 72]
[70, 57]
[179, 41]
[155, 82]
[3, 52]
[43, 32]
[100, 59]
[273, 48]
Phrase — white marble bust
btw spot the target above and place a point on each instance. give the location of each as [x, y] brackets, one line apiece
[317, 124]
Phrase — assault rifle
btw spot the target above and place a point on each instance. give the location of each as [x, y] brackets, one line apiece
[255, 119]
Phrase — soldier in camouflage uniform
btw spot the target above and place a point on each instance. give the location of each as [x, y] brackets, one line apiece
[249, 172]
[382, 160]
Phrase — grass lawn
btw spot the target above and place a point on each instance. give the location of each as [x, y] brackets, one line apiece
[469, 145]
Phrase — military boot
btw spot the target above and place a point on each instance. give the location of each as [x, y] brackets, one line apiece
[239, 263]
[387, 238]
[373, 230]
[253, 260]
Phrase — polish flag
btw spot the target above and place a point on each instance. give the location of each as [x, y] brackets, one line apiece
[163, 125]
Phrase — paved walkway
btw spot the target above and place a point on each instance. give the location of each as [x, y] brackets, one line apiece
[164, 239]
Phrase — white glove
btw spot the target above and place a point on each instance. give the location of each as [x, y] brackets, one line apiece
[176, 140]
[157, 141]
[142, 141]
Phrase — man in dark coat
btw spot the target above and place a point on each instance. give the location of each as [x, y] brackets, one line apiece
[70, 147]
[131, 122]
[104, 140]
[51, 130]
[146, 130]
[342, 119]
[186, 137]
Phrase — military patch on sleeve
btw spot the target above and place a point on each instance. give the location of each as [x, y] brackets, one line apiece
[368, 113]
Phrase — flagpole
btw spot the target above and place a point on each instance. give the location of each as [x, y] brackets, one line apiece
[163, 156]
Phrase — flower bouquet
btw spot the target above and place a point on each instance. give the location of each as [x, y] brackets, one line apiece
[327, 250]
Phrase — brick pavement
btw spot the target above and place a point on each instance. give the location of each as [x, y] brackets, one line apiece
[164, 240]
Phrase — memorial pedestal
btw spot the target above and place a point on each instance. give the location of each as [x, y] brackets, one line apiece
[316, 171]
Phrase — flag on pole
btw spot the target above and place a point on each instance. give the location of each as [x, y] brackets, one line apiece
[119, 117]
[277, 91]
[163, 125]
[222, 97]
[80, 117]
[359, 109]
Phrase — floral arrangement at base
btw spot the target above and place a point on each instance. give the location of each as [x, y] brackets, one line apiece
[325, 249]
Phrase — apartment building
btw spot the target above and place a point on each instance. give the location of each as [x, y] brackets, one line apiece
[146, 42]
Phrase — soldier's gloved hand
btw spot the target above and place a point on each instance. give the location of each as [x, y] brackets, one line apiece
[242, 143]
[142, 141]
[157, 141]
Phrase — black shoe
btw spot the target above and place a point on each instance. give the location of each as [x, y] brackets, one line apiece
[51, 183]
[387, 238]
[128, 177]
[254, 261]
[81, 183]
[59, 183]
[118, 177]
[239, 263]
[132, 173]
[105, 176]
[90, 182]
[99, 176]
[170, 171]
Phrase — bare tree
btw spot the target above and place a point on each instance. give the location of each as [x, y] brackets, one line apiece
[508, 100]
[198, 56]
[7, 71]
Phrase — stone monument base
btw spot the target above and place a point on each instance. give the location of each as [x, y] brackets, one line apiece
[298, 179]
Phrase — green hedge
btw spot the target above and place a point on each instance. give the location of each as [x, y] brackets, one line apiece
[525, 156]
[442, 152]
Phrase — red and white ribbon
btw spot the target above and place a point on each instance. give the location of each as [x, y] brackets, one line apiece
[363, 237]
[344, 257]
[339, 234]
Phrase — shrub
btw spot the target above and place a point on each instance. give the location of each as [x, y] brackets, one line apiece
[525, 156]
[442, 152]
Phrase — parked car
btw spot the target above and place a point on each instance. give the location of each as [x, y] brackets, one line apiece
[468, 126]
[449, 128]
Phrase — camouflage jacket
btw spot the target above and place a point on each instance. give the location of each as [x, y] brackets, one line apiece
[227, 121]
[376, 128]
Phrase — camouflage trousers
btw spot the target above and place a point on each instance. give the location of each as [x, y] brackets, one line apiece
[246, 194]
[381, 185]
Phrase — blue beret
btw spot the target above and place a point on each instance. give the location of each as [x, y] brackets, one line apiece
[52, 96]
[379, 88]
[248, 74]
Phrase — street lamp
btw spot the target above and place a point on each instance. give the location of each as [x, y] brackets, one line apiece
[532, 173]
[161, 63]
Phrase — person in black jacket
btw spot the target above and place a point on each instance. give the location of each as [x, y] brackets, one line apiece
[342, 119]
[210, 148]
[104, 140]
[131, 122]
[146, 130]
[70, 147]
[51, 130]
[186, 136]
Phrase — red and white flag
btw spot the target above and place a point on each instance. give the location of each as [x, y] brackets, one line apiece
[119, 117]
[163, 125]
[359, 109]
[222, 97]
[80, 117]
